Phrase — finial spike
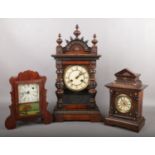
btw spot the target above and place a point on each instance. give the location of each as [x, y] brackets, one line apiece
[59, 35]
[77, 32]
[94, 41]
[77, 26]
[59, 40]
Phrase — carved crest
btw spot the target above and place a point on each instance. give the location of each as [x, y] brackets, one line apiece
[127, 79]
[76, 45]
[26, 75]
[126, 73]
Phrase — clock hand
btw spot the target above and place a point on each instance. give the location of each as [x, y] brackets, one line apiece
[28, 92]
[79, 75]
[70, 81]
[83, 81]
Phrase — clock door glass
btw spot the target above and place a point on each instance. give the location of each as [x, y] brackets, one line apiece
[28, 98]
[76, 78]
[123, 103]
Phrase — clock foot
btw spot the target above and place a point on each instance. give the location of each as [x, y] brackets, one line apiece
[128, 124]
[10, 123]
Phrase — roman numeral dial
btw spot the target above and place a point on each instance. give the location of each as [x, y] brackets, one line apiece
[76, 78]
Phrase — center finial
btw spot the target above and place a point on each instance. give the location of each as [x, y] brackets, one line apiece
[77, 32]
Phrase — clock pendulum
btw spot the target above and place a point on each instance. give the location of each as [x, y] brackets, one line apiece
[126, 97]
[28, 99]
[76, 83]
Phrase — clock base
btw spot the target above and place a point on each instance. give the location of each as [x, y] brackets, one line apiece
[10, 122]
[128, 124]
[77, 115]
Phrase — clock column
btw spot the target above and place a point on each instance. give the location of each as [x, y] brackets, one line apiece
[92, 86]
[59, 71]
[74, 104]
[92, 69]
[59, 84]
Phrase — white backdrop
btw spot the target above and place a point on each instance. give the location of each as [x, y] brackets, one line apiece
[123, 43]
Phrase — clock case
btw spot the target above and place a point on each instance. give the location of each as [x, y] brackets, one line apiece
[27, 77]
[127, 83]
[76, 106]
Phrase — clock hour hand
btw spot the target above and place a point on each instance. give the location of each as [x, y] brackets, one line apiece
[83, 81]
[70, 81]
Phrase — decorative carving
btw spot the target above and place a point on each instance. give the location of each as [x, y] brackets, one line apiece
[59, 40]
[26, 77]
[94, 42]
[59, 47]
[77, 52]
[77, 32]
[59, 83]
[79, 46]
[127, 83]
[92, 84]
[126, 73]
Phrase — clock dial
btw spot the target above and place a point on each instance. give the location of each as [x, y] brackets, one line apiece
[123, 103]
[28, 93]
[76, 78]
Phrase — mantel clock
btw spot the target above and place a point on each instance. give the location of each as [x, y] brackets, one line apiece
[76, 83]
[28, 97]
[126, 97]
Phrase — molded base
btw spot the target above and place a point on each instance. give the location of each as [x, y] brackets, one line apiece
[77, 115]
[128, 124]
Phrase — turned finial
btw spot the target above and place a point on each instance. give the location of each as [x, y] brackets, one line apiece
[94, 41]
[59, 40]
[77, 32]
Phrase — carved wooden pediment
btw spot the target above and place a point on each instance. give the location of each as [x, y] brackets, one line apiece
[76, 45]
[26, 75]
[126, 73]
[126, 79]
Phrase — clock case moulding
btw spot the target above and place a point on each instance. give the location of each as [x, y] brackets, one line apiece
[76, 52]
[128, 83]
[27, 77]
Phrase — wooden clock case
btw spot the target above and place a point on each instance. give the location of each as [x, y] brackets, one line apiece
[76, 52]
[27, 77]
[127, 83]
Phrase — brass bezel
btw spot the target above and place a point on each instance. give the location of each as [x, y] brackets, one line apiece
[66, 69]
[116, 101]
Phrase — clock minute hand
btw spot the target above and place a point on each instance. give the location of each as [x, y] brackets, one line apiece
[79, 75]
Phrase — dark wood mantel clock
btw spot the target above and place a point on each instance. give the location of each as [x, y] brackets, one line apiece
[126, 97]
[28, 97]
[76, 83]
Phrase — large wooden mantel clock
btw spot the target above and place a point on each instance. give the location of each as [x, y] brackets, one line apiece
[76, 83]
[126, 98]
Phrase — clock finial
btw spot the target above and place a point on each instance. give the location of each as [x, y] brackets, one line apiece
[59, 40]
[94, 41]
[77, 32]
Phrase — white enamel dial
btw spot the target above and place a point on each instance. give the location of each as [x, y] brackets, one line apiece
[123, 103]
[76, 78]
[28, 93]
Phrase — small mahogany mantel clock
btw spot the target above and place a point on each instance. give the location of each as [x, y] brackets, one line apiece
[76, 83]
[126, 96]
[28, 97]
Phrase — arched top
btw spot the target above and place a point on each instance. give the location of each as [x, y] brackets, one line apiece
[77, 45]
[27, 75]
